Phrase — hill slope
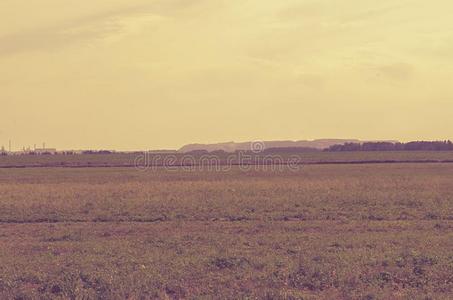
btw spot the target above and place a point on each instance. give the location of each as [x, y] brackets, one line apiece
[233, 146]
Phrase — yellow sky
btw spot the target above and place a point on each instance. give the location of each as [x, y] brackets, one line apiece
[142, 74]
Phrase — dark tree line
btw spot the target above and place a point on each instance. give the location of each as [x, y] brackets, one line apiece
[387, 146]
[284, 150]
[97, 152]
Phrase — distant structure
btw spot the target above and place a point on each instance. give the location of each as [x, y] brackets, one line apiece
[44, 151]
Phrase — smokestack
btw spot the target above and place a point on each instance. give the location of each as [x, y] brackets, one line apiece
[9, 145]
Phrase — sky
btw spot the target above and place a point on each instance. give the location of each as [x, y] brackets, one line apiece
[158, 74]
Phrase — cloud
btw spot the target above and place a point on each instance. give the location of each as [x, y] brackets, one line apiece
[313, 81]
[91, 27]
[322, 10]
[302, 10]
[396, 71]
[369, 14]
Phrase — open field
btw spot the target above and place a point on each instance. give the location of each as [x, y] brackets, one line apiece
[369, 231]
[133, 159]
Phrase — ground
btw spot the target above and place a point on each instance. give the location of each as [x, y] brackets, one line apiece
[369, 231]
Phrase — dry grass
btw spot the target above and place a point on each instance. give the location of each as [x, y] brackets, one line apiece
[130, 159]
[324, 232]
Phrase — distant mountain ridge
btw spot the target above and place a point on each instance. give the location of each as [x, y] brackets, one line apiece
[233, 146]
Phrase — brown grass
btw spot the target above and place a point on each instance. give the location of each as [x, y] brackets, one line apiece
[131, 159]
[371, 231]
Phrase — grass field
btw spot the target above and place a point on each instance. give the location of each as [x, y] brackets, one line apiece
[371, 231]
[133, 159]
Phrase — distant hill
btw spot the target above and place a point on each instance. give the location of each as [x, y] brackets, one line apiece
[232, 146]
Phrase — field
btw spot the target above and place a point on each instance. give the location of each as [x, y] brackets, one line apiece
[158, 159]
[340, 231]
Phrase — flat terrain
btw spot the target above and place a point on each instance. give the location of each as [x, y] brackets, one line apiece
[159, 159]
[368, 231]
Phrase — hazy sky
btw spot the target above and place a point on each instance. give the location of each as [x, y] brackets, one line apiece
[142, 74]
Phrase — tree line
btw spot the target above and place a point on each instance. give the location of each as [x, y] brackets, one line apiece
[387, 146]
